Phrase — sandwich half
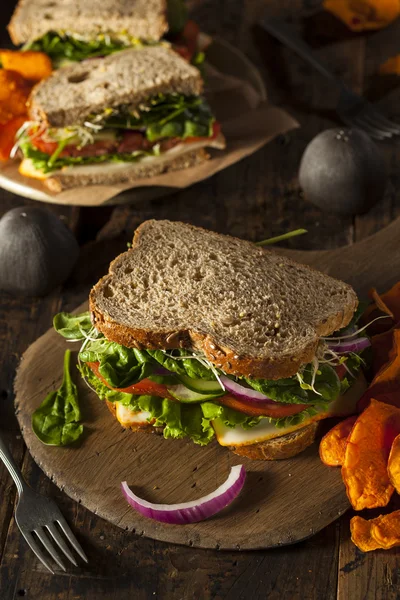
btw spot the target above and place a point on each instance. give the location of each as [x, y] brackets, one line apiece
[74, 31]
[199, 335]
[131, 115]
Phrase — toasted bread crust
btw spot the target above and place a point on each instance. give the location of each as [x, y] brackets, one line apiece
[223, 357]
[278, 448]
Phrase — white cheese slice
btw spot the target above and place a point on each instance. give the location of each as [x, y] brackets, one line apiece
[237, 436]
[129, 418]
[26, 167]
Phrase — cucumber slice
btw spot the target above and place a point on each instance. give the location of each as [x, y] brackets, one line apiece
[183, 394]
[201, 386]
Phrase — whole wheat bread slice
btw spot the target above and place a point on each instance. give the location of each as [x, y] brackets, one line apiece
[144, 19]
[250, 311]
[127, 78]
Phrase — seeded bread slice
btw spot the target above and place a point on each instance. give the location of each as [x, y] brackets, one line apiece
[126, 78]
[144, 19]
[250, 311]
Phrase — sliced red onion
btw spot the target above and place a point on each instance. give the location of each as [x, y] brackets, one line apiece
[190, 512]
[346, 346]
[244, 393]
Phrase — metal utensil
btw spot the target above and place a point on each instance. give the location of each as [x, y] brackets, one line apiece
[354, 110]
[40, 520]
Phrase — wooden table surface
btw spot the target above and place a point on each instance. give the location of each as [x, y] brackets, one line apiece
[254, 199]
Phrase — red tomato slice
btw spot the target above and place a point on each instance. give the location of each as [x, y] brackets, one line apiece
[216, 130]
[276, 410]
[7, 136]
[341, 371]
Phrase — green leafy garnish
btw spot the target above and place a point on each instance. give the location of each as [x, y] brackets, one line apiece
[290, 390]
[61, 46]
[56, 421]
[73, 327]
[165, 116]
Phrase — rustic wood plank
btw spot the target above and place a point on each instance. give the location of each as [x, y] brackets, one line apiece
[267, 194]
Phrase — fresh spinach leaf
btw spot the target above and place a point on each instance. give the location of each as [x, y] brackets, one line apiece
[72, 327]
[56, 421]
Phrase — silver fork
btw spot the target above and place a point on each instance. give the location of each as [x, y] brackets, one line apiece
[354, 110]
[40, 520]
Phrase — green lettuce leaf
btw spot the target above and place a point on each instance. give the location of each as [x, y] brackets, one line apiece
[72, 327]
[56, 421]
[292, 391]
[120, 366]
[167, 116]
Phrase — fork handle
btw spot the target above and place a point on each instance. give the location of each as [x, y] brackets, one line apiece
[12, 466]
[284, 34]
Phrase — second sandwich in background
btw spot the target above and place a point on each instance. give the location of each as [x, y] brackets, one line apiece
[138, 113]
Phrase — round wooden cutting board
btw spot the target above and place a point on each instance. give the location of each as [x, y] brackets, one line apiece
[282, 501]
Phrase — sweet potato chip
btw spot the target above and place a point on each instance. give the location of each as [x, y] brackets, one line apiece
[385, 530]
[394, 464]
[7, 136]
[386, 382]
[333, 445]
[364, 470]
[380, 302]
[387, 303]
[361, 534]
[391, 66]
[381, 345]
[31, 65]
[14, 92]
[362, 15]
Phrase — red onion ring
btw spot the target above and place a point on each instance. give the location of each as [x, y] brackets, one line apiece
[346, 346]
[244, 393]
[190, 512]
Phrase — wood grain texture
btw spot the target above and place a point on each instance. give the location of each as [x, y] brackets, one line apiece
[255, 199]
[283, 501]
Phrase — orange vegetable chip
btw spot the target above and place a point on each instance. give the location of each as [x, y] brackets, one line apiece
[386, 384]
[385, 530]
[14, 93]
[364, 470]
[7, 136]
[361, 15]
[391, 66]
[361, 534]
[380, 302]
[394, 464]
[333, 445]
[31, 65]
